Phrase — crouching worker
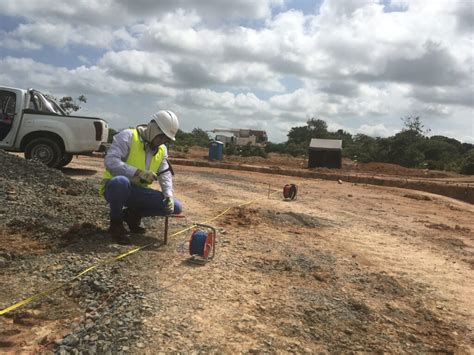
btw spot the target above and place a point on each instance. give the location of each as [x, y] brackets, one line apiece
[136, 158]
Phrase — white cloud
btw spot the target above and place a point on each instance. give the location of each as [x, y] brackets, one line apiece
[137, 65]
[378, 130]
[81, 80]
[83, 59]
[208, 99]
[336, 9]
[63, 35]
[218, 62]
[184, 73]
[179, 32]
[11, 42]
[93, 12]
[113, 12]
[467, 139]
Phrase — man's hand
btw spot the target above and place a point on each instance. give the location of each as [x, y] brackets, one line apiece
[169, 205]
[142, 177]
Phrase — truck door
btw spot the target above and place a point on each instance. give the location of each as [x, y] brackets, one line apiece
[8, 116]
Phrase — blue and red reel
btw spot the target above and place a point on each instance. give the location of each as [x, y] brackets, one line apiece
[202, 244]
[290, 191]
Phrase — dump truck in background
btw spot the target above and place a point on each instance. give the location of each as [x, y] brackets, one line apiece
[33, 123]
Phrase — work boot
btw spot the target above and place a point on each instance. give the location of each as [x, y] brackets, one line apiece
[133, 220]
[118, 231]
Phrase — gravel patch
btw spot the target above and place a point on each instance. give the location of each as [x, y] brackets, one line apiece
[68, 219]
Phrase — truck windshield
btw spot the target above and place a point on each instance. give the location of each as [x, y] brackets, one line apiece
[43, 103]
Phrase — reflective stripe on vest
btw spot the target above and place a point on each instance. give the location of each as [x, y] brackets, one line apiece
[137, 158]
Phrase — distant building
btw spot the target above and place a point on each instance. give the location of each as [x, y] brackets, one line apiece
[325, 153]
[225, 139]
[240, 137]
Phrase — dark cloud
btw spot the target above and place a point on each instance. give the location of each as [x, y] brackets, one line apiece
[465, 16]
[451, 96]
[208, 9]
[193, 74]
[235, 52]
[126, 12]
[201, 74]
[435, 67]
[132, 76]
[287, 66]
[341, 88]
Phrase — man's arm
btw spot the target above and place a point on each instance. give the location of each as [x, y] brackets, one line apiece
[165, 178]
[117, 155]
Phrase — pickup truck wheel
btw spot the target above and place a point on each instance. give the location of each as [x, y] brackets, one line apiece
[65, 160]
[45, 150]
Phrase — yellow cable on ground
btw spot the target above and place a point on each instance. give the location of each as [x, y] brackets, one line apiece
[113, 259]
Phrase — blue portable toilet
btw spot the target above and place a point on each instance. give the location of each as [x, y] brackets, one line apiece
[216, 150]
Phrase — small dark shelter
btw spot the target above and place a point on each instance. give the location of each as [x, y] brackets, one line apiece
[325, 153]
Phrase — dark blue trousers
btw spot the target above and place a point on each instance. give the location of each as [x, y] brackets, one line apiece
[146, 202]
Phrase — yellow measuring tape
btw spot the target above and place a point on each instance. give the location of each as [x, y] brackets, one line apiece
[113, 259]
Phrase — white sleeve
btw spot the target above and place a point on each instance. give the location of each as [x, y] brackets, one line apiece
[117, 154]
[166, 179]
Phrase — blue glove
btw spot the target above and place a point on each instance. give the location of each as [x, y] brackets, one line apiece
[169, 205]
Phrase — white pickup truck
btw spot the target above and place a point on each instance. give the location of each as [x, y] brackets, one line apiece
[32, 123]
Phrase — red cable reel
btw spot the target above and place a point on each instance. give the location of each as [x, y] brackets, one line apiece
[290, 191]
[202, 244]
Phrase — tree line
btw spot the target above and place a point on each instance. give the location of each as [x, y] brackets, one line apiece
[411, 147]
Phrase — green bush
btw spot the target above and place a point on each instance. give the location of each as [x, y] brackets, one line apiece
[433, 165]
[252, 151]
[197, 137]
[245, 151]
[467, 165]
[275, 148]
[297, 150]
[230, 150]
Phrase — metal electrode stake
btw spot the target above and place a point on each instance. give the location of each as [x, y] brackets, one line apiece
[165, 241]
[167, 217]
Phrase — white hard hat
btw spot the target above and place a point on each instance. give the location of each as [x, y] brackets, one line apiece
[168, 123]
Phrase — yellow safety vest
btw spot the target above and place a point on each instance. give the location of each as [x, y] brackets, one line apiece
[137, 158]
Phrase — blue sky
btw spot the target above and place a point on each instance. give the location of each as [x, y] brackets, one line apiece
[270, 64]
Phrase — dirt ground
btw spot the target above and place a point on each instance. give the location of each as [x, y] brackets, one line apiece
[343, 268]
[348, 166]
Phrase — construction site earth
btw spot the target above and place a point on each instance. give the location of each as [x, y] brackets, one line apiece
[346, 267]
